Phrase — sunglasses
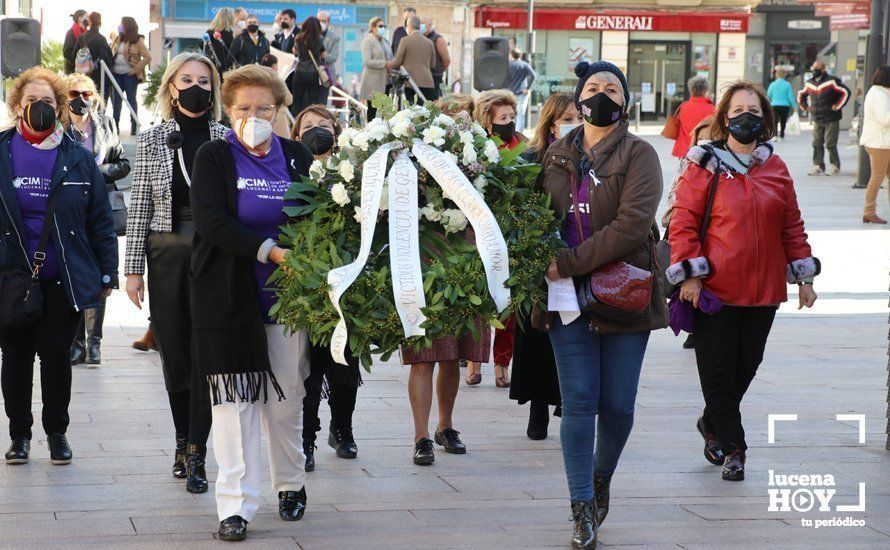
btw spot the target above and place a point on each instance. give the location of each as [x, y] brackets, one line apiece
[73, 94]
[381, 26]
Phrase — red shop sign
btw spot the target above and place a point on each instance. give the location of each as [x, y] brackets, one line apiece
[825, 10]
[571, 20]
[850, 21]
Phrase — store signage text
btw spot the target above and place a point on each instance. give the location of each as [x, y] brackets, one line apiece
[589, 20]
[614, 23]
[805, 24]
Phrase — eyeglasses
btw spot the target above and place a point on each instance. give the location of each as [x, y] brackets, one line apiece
[261, 111]
[86, 94]
[381, 26]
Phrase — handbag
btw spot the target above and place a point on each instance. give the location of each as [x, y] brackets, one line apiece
[118, 211]
[323, 78]
[618, 291]
[671, 128]
[663, 248]
[21, 299]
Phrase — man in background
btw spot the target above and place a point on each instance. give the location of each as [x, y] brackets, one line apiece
[331, 43]
[823, 96]
[287, 23]
[521, 77]
[417, 55]
[443, 58]
[241, 18]
[402, 31]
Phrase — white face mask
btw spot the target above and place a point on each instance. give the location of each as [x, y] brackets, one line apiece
[241, 24]
[564, 129]
[253, 131]
[324, 27]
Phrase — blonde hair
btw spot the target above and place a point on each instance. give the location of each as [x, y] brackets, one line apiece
[373, 23]
[38, 74]
[254, 75]
[224, 20]
[80, 80]
[456, 104]
[165, 98]
[483, 113]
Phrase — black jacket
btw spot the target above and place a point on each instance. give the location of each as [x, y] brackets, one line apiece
[84, 229]
[107, 149]
[397, 37]
[99, 50]
[824, 98]
[220, 50]
[229, 337]
[285, 44]
[245, 52]
[68, 51]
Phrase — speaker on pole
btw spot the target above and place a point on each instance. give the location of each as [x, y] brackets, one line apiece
[491, 59]
[20, 48]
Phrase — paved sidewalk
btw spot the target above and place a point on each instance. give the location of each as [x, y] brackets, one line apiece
[508, 491]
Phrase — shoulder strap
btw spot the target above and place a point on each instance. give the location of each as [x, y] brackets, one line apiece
[40, 251]
[712, 192]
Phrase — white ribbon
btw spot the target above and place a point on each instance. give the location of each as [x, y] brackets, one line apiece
[404, 242]
[404, 246]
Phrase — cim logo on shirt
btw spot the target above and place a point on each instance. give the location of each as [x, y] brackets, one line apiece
[264, 189]
[36, 185]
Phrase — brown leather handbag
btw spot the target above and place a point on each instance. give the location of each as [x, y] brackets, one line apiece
[671, 128]
[617, 291]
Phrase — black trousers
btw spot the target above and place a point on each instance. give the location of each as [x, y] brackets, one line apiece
[729, 348]
[342, 390]
[89, 329]
[307, 91]
[50, 339]
[428, 93]
[781, 113]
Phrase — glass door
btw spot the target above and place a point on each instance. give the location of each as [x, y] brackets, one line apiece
[657, 76]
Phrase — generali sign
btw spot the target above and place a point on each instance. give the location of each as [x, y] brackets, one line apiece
[588, 20]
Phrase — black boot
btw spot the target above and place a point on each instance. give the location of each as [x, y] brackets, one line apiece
[584, 534]
[538, 420]
[292, 504]
[342, 440]
[713, 452]
[689, 343]
[734, 466]
[179, 458]
[309, 451]
[19, 451]
[94, 353]
[78, 353]
[601, 497]
[196, 480]
[233, 529]
[59, 450]
[93, 320]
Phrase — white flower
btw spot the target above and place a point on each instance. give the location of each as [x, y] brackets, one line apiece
[479, 130]
[469, 156]
[344, 140]
[491, 151]
[316, 171]
[465, 137]
[431, 213]
[419, 112]
[434, 136]
[454, 220]
[451, 156]
[332, 163]
[360, 140]
[443, 120]
[402, 128]
[347, 172]
[377, 129]
[339, 194]
[479, 183]
[358, 214]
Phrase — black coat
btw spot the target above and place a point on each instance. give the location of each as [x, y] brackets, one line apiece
[107, 149]
[246, 52]
[68, 51]
[220, 51]
[99, 50]
[229, 337]
[824, 98]
[285, 44]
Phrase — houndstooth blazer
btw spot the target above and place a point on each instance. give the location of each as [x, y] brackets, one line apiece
[151, 197]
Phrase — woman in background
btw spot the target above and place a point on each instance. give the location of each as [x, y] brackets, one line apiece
[376, 51]
[131, 56]
[220, 35]
[782, 101]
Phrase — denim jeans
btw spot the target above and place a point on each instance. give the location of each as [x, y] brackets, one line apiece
[128, 84]
[598, 378]
[520, 112]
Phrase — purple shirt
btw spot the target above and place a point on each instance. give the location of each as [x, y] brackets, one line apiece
[32, 172]
[262, 183]
[571, 231]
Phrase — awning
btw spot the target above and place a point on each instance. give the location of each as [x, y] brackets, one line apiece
[609, 20]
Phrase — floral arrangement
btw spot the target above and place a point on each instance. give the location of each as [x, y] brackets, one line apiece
[325, 234]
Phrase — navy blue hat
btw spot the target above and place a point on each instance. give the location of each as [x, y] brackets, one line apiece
[585, 70]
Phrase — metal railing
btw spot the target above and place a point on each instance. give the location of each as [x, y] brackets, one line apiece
[104, 70]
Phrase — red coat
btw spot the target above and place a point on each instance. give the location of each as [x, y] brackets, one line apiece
[755, 244]
[691, 113]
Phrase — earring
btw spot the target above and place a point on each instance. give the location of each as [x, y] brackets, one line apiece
[210, 104]
[175, 102]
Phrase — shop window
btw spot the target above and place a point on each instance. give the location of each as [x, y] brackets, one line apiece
[189, 9]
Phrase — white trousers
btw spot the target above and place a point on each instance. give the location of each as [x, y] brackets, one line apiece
[236, 432]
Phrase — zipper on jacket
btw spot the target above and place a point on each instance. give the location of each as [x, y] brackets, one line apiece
[65, 263]
[19, 235]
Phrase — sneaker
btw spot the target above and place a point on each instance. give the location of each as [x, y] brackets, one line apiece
[424, 454]
[59, 450]
[19, 451]
[832, 170]
[816, 171]
[449, 438]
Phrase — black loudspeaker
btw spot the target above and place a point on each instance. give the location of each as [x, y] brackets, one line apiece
[21, 45]
[491, 58]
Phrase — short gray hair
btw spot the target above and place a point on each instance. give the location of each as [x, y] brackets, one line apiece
[414, 22]
[699, 86]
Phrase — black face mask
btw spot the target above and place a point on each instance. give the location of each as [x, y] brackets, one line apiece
[504, 131]
[817, 73]
[600, 110]
[285, 26]
[40, 116]
[79, 106]
[253, 28]
[746, 127]
[319, 140]
[194, 98]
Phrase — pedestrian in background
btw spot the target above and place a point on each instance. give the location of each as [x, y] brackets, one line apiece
[160, 229]
[50, 189]
[241, 16]
[781, 97]
[376, 52]
[251, 45]
[288, 30]
[89, 126]
[691, 112]
[331, 44]
[521, 77]
[255, 367]
[606, 183]
[417, 55]
[80, 25]
[402, 31]
[750, 180]
[311, 54]
[221, 35]
[443, 58]
[824, 97]
[99, 51]
[876, 140]
[131, 57]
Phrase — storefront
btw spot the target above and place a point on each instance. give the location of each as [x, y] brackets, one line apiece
[185, 21]
[658, 51]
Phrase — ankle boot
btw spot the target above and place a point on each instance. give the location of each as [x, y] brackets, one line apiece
[147, 342]
[196, 480]
[179, 458]
[538, 420]
[601, 489]
[584, 534]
